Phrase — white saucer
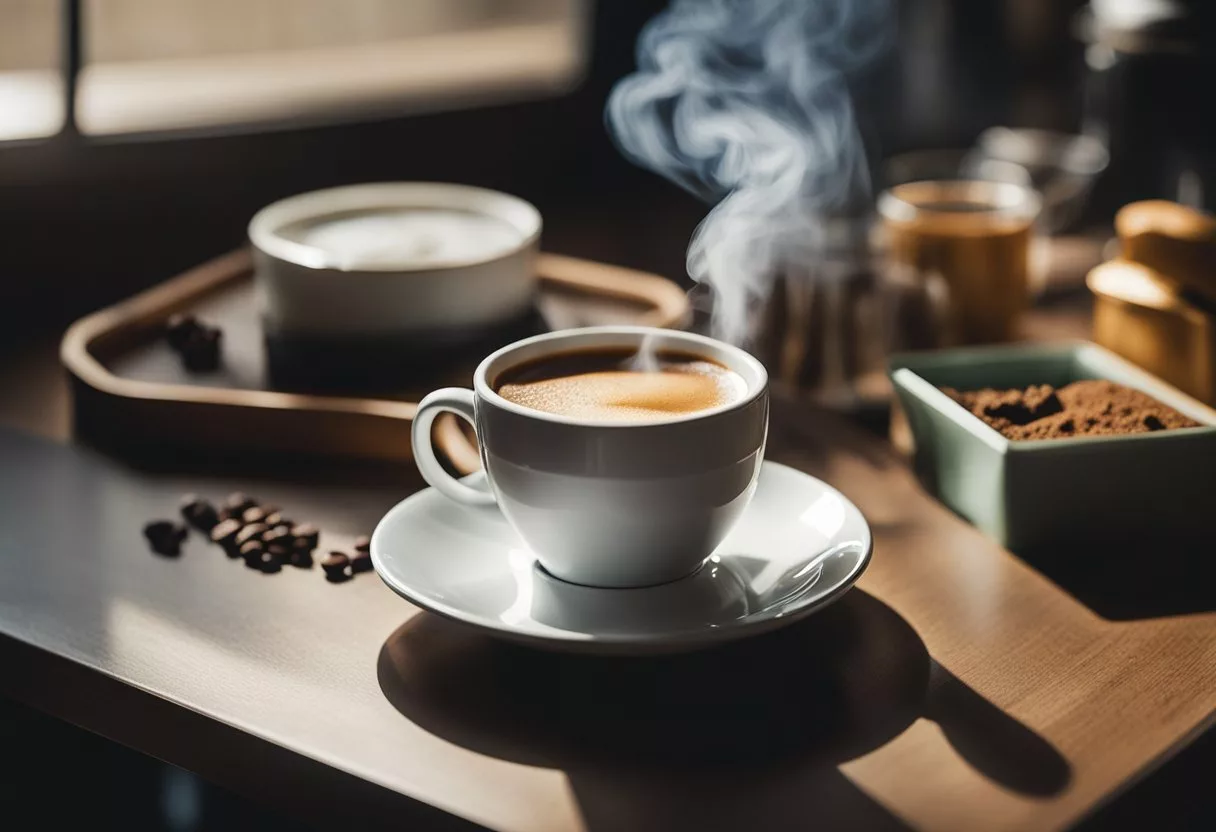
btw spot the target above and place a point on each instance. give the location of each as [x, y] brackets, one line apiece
[799, 546]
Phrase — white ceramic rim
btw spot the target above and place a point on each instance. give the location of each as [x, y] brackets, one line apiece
[316, 205]
[757, 386]
[1002, 199]
[665, 642]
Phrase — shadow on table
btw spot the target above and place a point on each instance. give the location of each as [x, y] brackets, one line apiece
[1132, 580]
[744, 736]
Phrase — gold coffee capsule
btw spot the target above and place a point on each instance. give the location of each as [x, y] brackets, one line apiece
[1139, 315]
[1177, 242]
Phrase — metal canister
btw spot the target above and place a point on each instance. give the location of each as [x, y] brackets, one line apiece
[1177, 242]
[1139, 315]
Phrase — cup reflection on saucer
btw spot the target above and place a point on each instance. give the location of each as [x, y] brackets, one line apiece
[711, 596]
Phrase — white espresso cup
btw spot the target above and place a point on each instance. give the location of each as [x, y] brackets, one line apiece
[608, 504]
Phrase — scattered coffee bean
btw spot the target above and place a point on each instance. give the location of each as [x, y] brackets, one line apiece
[252, 552]
[178, 330]
[254, 531]
[165, 537]
[225, 531]
[199, 513]
[307, 533]
[263, 561]
[235, 504]
[240, 498]
[200, 353]
[260, 534]
[254, 515]
[196, 343]
[301, 553]
[336, 566]
[280, 535]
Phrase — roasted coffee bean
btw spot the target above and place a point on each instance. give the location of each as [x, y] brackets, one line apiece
[275, 518]
[240, 501]
[193, 333]
[161, 529]
[178, 329]
[251, 552]
[199, 513]
[253, 531]
[254, 553]
[263, 561]
[279, 550]
[200, 352]
[336, 566]
[363, 543]
[235, 504]
[254, 515]
[301, 552]
[279, 534]
[165, 537]
[307, 533]
[224, 532]
[361, 562]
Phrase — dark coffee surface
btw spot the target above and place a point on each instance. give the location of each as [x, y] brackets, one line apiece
[620, 385]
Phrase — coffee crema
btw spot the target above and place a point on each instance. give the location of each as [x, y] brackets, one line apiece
[402, 238]
[617, 386]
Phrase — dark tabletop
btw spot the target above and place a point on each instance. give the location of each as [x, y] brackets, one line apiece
[1001, 697]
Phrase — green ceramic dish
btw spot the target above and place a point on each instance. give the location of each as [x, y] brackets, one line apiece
[1044, 494]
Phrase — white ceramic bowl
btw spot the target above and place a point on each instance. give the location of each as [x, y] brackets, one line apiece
[376, 284]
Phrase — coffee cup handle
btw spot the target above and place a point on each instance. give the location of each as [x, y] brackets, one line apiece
[455, 400]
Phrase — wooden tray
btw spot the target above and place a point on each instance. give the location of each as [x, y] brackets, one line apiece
[130, 389]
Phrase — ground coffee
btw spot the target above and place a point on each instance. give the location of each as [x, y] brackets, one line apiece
[1083, 408]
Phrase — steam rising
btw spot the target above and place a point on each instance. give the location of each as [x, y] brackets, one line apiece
[744, 103]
